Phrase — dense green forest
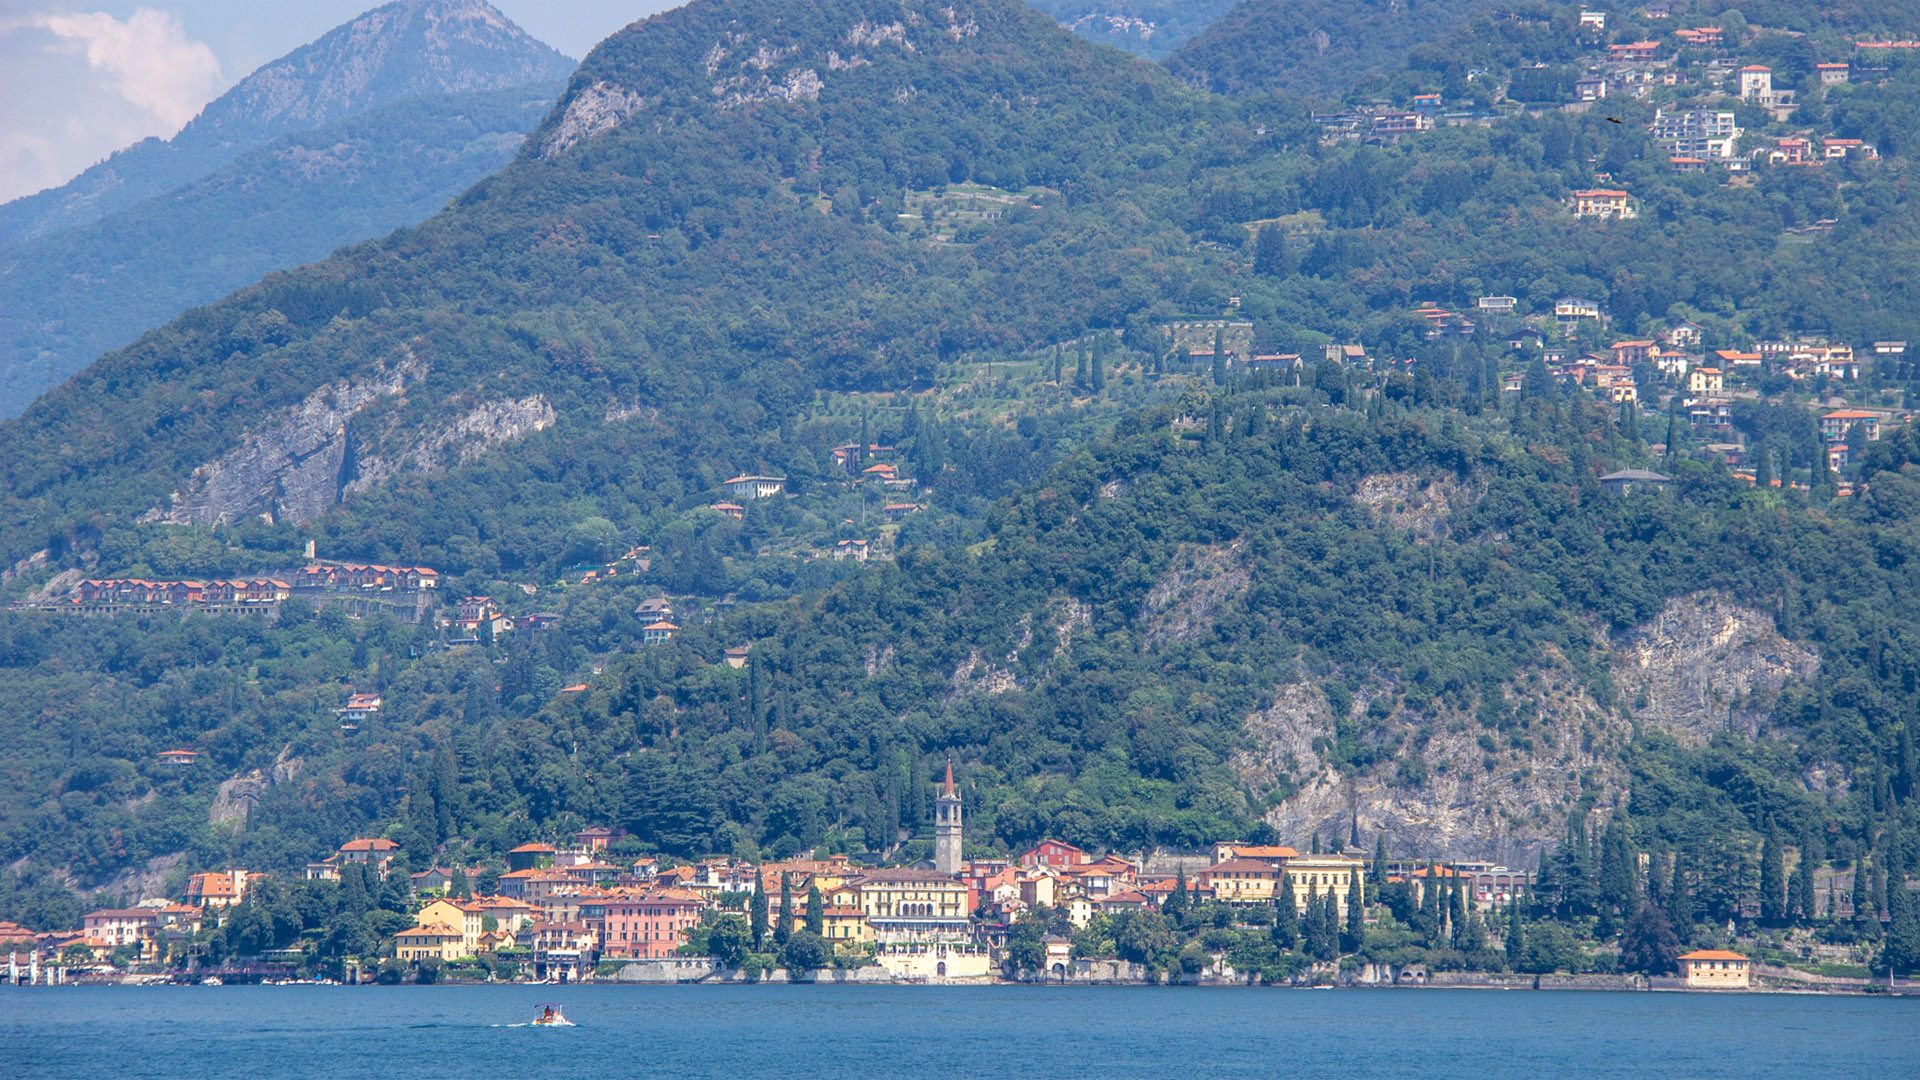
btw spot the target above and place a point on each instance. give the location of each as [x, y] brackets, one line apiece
[748, 273]
[71, 295]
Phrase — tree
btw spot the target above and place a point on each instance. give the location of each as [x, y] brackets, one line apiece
[816, 911]
[1680, 901]
[459, 886]
[1356, 918]
[1516, 943]
[1773, 884]
[1649, 945]
[1763, 469]
[1270, 255]
[1099, 372]
[805, 951]
[1286, 915]
[783, 930]
[757, 914]
[1176, 903]
[1379, 861]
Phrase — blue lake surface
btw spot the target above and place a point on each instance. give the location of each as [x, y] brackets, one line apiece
[342, 1033]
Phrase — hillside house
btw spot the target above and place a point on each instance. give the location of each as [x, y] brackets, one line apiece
[1835, 425]
[1496, 305]
[1702, 36]
[1706, 380]
[658, 633]
[1756, 84]
[727, 509]
[756, 487]
[1569, 310]
[737, 658]
[899, 511]
[851, 549]
[1626, 480]
[1589, 88]
[359, 707]
[1604, 204]
[1634, 52]
[1842, 149]
[377, 853]
[222, 888]
[1054, 853]
[1833, 74]
[1684, 335]
[480, 612]
[1274, 362]
[178, 759]
[1631, 352]
[1593, 20]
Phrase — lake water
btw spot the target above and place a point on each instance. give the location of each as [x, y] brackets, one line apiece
[341, 1033]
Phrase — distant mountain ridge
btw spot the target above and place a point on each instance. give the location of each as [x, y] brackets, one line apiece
[400, 50]
[69, 296]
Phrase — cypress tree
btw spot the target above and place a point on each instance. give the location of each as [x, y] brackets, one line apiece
[1356, 916]
[1673, 436]
[1380, 861]
[1080, 370]
[1773, 875]
[783, 929]
[1286, 915]
[1833, 897]
[1680, 901]
[1763, 469]
[1316, 842]
[1516, 943]
[1099, 372]
[757, 917]
[1176, 904]
[1056, 365]
[1822, 473]
[816, 910]
[1862, 890]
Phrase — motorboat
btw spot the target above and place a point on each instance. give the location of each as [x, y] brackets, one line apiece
[550, 1016]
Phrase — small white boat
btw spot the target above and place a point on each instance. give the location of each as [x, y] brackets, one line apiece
[551, 1017]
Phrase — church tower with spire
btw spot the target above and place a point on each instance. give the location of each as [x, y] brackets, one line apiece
[946, 826]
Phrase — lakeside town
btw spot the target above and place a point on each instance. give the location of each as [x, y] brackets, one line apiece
[1054, 913]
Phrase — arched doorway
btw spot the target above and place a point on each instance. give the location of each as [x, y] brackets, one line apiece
[940, 969]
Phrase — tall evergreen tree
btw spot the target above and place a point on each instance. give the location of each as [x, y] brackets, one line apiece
[1270, 252]
[1099, 373]
[1286, 915]
[1516, 943]
[1380, 861]
[1773, 878]
[1356, 917]
[1219, 358]
[1057, 371]
[816, 909]
[757, 918]
[1080, 374]
[783, 929]
[1763, 469]
[1680, 900]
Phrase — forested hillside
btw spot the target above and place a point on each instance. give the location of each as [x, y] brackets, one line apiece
[67, 297]
[1149, 600]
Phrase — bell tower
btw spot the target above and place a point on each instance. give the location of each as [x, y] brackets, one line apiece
[946, 826]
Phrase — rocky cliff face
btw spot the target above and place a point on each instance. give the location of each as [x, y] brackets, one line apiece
[304, 460]
[1458, 789]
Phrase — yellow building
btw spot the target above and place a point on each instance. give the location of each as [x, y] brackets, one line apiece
[1716, 969]
[437, 942]
[1241, 881]
[907, 905]
[467, 918]
[936, 961]
[843, 924]
[1321, 874]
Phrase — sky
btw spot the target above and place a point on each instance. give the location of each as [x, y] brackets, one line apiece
[80, 79]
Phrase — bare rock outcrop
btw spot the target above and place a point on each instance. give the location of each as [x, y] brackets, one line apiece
[236, 796]
[486, 426]
[292, 468]
[1707, 664]
[1182, 604]
[1419, 509]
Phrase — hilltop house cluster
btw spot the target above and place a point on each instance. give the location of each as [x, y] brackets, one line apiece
[1699, 131]
[360, 587]
[563, 911]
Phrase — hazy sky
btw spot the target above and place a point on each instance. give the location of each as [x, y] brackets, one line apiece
[80, 79]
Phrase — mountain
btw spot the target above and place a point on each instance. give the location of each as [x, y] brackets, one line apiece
[1145, 28]
[1142, 599]
[69, 296]
[1315, 47]
[399, 50]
